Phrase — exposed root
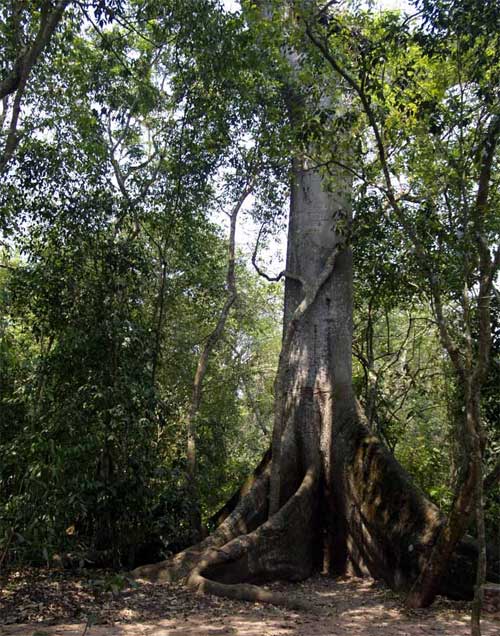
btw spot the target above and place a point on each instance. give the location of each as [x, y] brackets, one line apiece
[389, 526]
[247, 592]
[281, 547]
[273, 550]
[381, 524]
[248, 514]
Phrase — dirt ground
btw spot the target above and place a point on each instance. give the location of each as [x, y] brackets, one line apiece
[53, 603]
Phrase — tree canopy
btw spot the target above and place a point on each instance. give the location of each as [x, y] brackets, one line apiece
[138, 345]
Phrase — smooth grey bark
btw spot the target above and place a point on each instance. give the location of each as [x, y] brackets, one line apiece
[317, 360]
[308, 380]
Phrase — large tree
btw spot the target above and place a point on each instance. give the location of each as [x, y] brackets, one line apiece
[328, 492]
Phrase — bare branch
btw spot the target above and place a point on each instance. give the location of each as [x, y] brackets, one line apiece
[272, 279]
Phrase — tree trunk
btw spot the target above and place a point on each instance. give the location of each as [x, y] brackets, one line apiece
[343, 500]
[329, 494]
[316, 388]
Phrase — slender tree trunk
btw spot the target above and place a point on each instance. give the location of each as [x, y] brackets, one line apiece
[427, 584]
[201, 370]
[480, 524]
[482, 561]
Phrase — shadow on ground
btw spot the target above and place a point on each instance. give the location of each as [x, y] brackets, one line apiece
[350, 607]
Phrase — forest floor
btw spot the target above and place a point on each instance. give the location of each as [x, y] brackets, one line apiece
[98, 603]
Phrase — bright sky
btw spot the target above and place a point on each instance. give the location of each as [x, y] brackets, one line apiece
[393, 4]
[231, 5]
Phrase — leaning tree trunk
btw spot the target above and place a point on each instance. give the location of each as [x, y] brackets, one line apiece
[195, 521]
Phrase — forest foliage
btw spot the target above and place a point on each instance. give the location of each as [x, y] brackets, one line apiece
[140, 123]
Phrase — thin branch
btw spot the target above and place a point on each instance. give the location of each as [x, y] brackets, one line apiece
[272, 279]
[16, 82]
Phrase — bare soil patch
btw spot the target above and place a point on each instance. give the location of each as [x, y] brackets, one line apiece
[100, 603]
